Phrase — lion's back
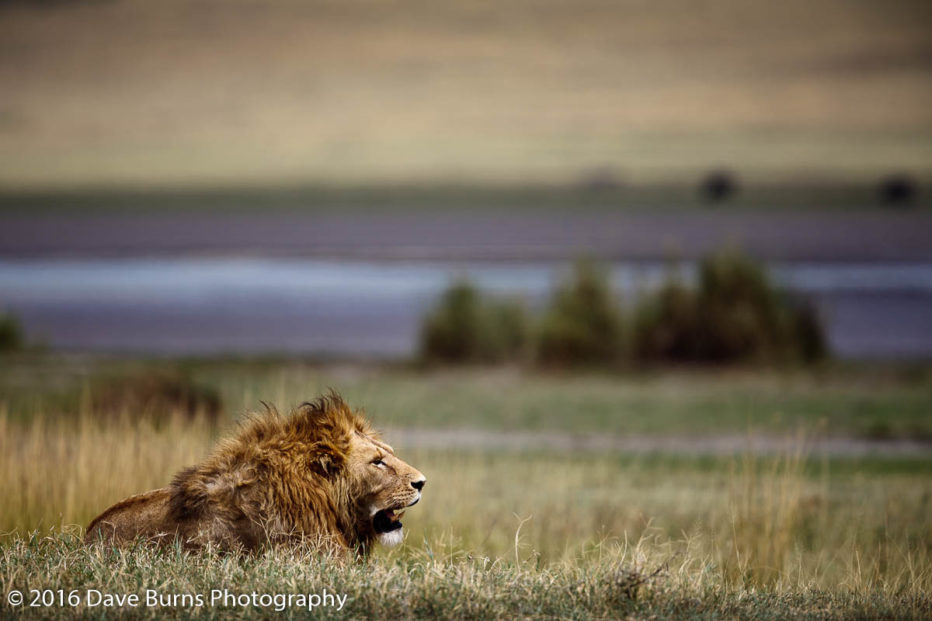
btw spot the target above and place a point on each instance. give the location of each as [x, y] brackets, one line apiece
[143, 515]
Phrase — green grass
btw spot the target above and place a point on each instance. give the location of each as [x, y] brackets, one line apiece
[662, 403]
[864, 401]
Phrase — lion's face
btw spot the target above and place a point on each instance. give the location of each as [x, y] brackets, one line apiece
[387, 486]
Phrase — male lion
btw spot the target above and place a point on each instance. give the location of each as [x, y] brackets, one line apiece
[320, 474]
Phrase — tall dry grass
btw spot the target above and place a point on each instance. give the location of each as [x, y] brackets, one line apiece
[762, 523]
[56, 472]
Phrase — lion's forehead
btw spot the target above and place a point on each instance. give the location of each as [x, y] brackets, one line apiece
[382, 445]
[375, 442]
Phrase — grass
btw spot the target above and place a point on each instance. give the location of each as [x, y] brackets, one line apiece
[864, 401]
[585, 536]
[517, 534]
[662, 403]
[431, 587]
[65, 473]
[640, 580]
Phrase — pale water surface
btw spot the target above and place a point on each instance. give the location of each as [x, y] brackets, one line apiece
[314, 306]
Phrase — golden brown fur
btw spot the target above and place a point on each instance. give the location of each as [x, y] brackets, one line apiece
[319, 475]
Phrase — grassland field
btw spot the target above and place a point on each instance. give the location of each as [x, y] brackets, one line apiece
[529, 534]
[839, 399]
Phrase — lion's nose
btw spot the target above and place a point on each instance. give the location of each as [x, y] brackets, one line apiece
[418, 485]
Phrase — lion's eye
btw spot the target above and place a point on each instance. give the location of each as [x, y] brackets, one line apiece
[378, 462]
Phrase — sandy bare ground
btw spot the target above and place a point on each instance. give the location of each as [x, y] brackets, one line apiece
[716, 445]
[481, 234]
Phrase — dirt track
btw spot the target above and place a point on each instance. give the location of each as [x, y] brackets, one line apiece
[716, 445]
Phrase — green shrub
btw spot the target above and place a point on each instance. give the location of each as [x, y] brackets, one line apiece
[506, 330]
[464, 328]
[11, 333]
[666, 324]
[808, 331]
[734, 315]
[739, 310]
[583, 325]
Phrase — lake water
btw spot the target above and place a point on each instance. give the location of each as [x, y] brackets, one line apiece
[312, 306]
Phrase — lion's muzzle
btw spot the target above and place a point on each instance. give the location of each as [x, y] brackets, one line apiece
[387, 522]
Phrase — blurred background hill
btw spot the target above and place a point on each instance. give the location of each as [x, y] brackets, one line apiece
[219, 92]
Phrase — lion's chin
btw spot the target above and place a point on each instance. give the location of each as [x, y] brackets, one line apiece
[391, 538]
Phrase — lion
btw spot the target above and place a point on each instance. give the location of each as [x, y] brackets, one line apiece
[320, 475]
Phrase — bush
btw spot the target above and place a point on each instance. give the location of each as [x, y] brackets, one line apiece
[739, 310]
[11, 333]
[809, 334]
[464, 328]
[507, 330]
[735, 315]
[666, 324]
[583, 325]
[154, 394]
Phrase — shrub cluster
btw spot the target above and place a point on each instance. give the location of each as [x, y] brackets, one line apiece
[464, 327]
[583, 325]
[734, 314]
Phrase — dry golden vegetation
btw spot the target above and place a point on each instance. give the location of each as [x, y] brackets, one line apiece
[520, 533]
[214, 91]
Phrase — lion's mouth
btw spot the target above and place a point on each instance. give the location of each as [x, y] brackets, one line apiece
[386, 520]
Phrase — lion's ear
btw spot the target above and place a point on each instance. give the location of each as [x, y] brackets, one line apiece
[324, 465]
[325, 459]
[321, 465]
